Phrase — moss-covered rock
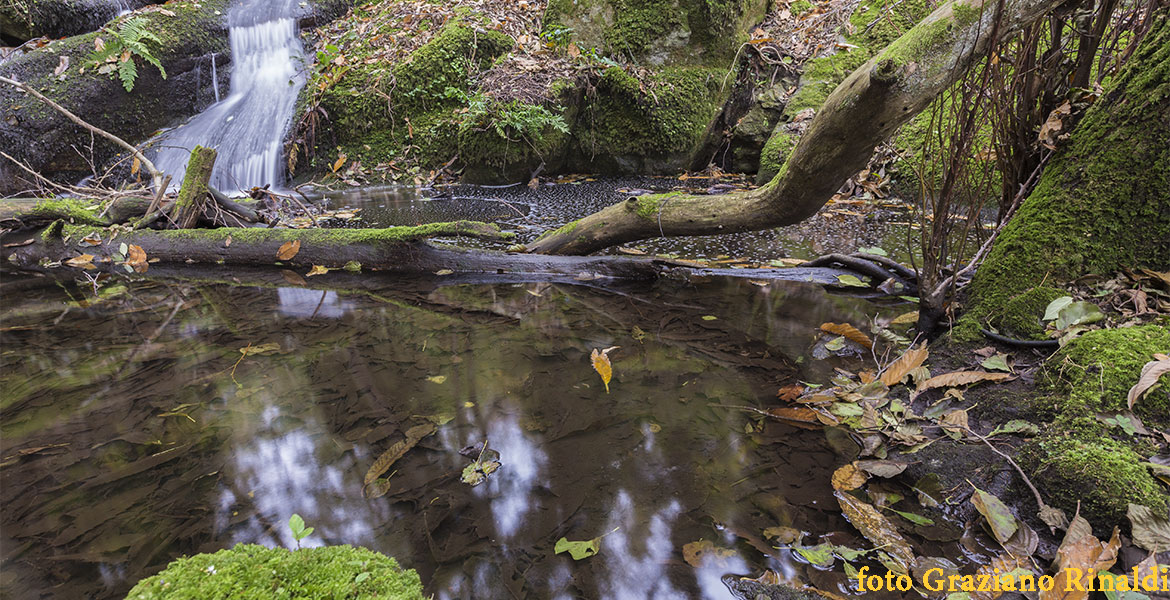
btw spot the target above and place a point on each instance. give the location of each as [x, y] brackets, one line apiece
[44, 139]
[1101, 204]
[254, 572]
[22, 20]
[658, 32]
[628, 125]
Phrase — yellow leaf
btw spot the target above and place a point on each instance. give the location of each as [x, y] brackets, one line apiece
[134, 166]
[340, 161]
[317, 270]
[601, 364]
[905, 318]
[267, 348]
[850, 333]
[288, 250]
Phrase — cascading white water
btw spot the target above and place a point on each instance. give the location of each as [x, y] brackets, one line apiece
[247, 127]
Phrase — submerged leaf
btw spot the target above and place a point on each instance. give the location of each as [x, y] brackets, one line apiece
[820, 555]
[848, 477]
[877, 529]
[696, 553]
[397, 450]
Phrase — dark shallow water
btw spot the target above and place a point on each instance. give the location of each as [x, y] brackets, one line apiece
[133, 432]
[530, 212]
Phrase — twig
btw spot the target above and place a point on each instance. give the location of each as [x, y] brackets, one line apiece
[1028, 482]
[155, 175]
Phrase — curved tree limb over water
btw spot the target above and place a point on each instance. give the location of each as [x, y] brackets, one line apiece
[865, 110]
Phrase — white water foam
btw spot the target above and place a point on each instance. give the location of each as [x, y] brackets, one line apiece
[247, 127]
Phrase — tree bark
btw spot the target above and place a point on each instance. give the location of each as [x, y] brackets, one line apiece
[194, 192]
[861, 113]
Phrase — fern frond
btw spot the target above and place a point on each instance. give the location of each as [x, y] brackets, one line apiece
[128, 72]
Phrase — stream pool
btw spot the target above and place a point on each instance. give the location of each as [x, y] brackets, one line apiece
[159, 416]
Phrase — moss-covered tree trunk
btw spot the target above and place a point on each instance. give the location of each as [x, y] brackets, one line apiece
[1101, 205]
[862, 112]
[193, 194]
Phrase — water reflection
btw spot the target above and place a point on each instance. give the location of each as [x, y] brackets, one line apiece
[191, 445]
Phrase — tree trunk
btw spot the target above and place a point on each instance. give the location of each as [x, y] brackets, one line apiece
[1101, 205]
[194, 193]
[861, 113]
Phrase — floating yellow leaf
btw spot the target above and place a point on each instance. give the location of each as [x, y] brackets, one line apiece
[602, 365]
[899, 369]
[317, 270]
[850, 333]
[288, 250]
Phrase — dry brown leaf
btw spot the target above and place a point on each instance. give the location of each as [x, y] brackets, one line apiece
[899, 369]
[790, 392]
[1150, 374]
[601, 364]
[877, 529]
[795, 415]
[962, 378]
[850, 333]
[288, 250]
[387, 459]
[84, 261]
[1081, 557]
[339, 162]
[848, 477]
[1000, 565]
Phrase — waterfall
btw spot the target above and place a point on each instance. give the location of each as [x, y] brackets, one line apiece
[214, 78]
[247, 127]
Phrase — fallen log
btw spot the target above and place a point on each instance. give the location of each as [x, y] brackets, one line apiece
[194, 193]
[396, 250]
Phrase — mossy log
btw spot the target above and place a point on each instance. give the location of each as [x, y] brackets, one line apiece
[28, 213]
[394, 250]
[194, 193]
[861, 113]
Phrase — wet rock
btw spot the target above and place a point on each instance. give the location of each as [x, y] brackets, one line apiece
[21, 21]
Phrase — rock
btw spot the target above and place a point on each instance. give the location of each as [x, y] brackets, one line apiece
[21, 21]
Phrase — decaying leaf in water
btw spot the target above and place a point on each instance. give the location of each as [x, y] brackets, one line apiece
[795, 415]
[882, 468]
[397, 449]
[293, 277]
[485, 464]
[1150, 374]
[696, 553]
[877, 529]
[999, 517]
[258, 349]
[790, 392]
[601, 364]
[914, 518]
[849, 332]
[288, 250]
[899, 369]
[578, 550]
[961, 378]
[1151, 531]
[783, 535]
[848, 477]
[1079, 558]
[317, 270]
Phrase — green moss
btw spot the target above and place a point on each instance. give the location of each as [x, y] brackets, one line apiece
[255, 572]
[663, 117]
[800, 7]
[648, 206]
[1101, 475]
[381, 113]
[775, 153]
[72, 209]
[1095, 371]
[1101, 204]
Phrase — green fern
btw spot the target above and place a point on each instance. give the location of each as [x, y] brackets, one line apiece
[116, 56]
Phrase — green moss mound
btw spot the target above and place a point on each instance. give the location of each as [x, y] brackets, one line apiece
[249, 572]
[1103, 475]
[1101, 204]
[1095, 371]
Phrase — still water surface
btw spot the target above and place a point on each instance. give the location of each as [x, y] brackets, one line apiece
[135, 430]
